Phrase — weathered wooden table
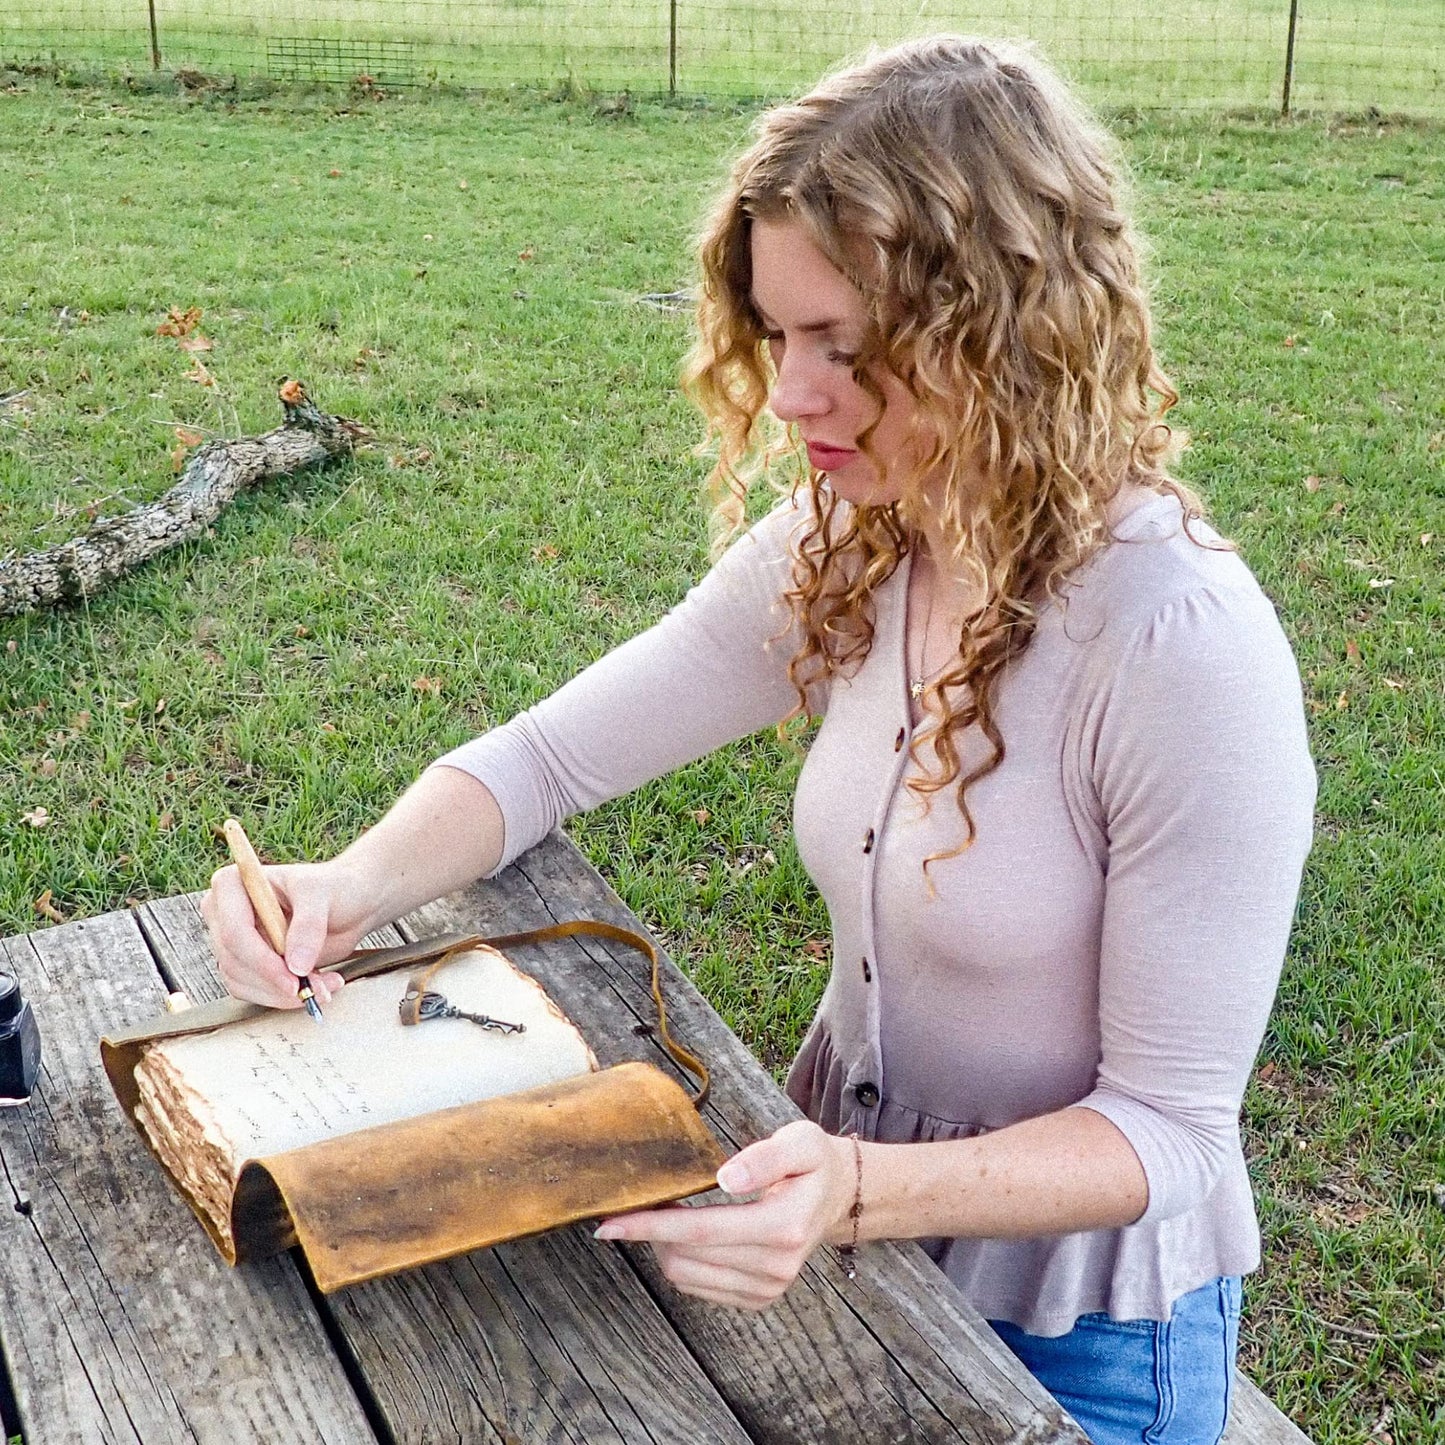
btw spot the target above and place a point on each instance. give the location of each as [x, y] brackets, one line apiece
[118, 1322]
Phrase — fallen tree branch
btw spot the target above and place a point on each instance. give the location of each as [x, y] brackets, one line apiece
[213, 477]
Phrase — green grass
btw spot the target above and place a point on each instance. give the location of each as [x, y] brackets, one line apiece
[532, 500]
[1348, 53]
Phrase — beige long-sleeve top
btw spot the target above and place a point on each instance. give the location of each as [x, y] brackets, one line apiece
[1113, 938]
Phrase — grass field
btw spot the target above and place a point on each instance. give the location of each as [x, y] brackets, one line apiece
[1350, 54]
[461, 276]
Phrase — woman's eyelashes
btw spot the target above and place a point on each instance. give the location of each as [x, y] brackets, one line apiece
[836, 356]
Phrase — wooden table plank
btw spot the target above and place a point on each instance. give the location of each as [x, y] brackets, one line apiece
[895, 1355]
[119, 1321]
[1254, 1419]
[544, 1340]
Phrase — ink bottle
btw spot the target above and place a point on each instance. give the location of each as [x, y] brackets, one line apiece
[19, 1044]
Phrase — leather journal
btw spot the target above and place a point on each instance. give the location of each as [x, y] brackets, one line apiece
[445, 1104]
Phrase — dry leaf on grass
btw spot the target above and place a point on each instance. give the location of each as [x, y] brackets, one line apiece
[186, 439]
[200, 375]
[179, 323]
[36, 817]
[46, 909]
[430, 685]
[195, 343]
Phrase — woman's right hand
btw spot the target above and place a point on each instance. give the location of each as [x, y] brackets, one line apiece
[327, 910]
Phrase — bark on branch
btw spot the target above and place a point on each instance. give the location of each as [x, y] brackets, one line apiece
[213, 477]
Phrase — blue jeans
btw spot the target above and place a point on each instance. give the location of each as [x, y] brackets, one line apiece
[1139, 1382]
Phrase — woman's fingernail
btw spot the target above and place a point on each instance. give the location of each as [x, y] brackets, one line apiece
[734, 1179]
[606, 1231]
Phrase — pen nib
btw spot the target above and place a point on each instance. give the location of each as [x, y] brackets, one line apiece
[309, 999]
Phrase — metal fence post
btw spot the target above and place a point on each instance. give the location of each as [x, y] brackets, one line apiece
[155, 38]
[672, 47]
[1289, 56]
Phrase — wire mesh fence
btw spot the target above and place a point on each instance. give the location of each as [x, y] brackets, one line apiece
[1335, 54]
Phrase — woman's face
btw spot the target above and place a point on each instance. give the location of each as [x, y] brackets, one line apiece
[816, 321]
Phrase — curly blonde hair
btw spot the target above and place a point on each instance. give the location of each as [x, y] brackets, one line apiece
[975, 204]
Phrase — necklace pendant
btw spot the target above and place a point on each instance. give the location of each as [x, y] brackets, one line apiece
[915, 688]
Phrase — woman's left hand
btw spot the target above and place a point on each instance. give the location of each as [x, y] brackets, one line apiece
[747, 1255]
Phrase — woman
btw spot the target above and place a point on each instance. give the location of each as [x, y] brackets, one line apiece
[1060, 796]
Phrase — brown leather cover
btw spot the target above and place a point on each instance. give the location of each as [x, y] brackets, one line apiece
[428, 1188]
[379, 1200]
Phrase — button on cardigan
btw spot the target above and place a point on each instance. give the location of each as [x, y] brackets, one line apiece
[1113, 938]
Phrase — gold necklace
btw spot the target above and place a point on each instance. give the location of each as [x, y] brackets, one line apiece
[918, 682]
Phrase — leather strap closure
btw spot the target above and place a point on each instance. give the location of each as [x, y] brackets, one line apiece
[366, 961]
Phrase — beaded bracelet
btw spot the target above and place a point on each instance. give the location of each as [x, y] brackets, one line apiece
[848, 1253]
